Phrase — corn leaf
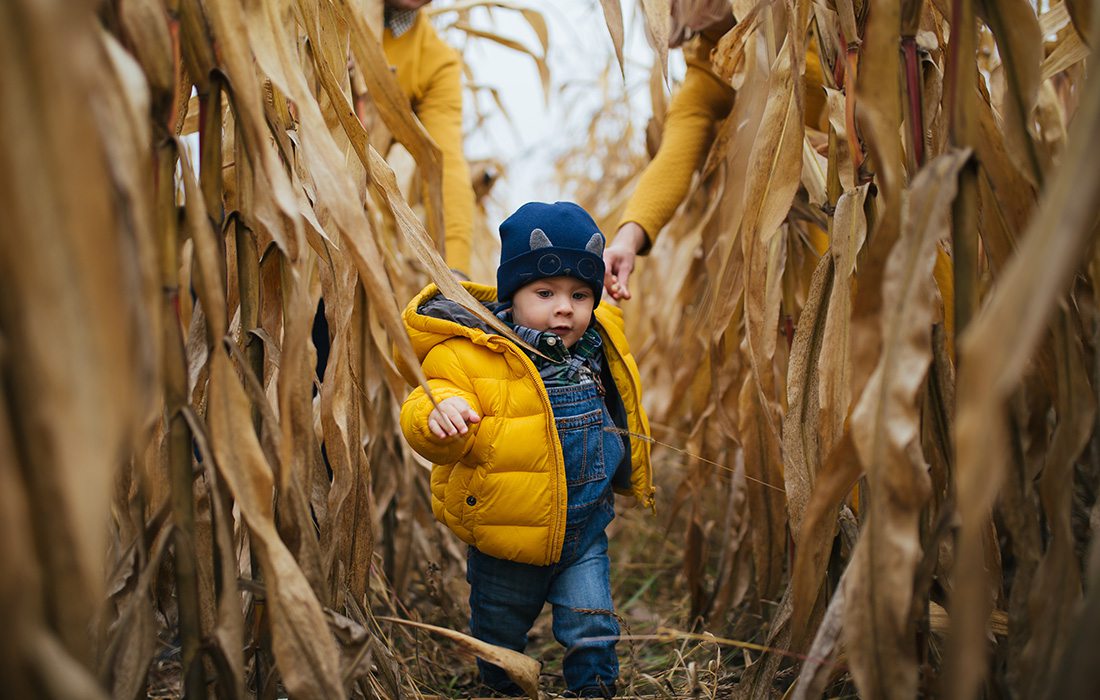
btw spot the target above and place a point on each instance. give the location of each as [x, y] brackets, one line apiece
[1009, 327]
[885, 432]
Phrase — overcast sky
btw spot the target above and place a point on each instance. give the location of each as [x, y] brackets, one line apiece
[580, 48]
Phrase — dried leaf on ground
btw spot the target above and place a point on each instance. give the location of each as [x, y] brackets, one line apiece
[522, 669]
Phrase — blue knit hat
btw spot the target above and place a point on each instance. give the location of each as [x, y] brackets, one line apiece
[549, 240]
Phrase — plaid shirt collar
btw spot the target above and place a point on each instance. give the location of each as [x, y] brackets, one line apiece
[399, 21]
[564, 366]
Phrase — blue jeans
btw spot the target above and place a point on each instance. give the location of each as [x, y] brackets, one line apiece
[507, 596]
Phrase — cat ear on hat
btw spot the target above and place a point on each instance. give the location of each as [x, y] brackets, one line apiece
[595, 245]
[539, 239]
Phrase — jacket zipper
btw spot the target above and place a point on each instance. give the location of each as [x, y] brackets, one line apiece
[652, 505]
[559, 457]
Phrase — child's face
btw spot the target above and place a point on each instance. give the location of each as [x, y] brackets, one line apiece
[562, 305]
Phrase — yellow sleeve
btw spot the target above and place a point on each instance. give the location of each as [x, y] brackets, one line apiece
[447, 379]
[430, 74]
[702, 101]
[440, 110]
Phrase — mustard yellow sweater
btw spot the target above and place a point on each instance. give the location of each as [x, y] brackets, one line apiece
[703, 100]
[430, 74]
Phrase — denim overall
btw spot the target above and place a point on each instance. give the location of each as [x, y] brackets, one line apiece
[507, 596]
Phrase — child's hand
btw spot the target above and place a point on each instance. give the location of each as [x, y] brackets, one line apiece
[619, 257]
[451, 418]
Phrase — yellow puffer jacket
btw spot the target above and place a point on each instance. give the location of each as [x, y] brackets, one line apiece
[501, 487]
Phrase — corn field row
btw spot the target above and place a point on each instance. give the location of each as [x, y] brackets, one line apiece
[871, 352]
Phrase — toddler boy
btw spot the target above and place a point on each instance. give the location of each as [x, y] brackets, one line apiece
[527, 449]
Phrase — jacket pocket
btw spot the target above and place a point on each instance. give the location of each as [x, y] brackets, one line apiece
[459, 516]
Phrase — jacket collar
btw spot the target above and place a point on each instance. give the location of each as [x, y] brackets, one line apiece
[427, 331]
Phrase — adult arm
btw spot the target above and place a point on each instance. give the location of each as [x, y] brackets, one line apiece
[702, 101]
[440, 111]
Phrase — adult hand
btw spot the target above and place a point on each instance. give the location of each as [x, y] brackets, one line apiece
[451, 418]
[618, 259]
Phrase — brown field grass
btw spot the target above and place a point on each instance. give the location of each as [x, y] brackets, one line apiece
[870, 350]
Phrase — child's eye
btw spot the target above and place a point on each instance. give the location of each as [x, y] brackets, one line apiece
[544, 293]
[581, 296]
